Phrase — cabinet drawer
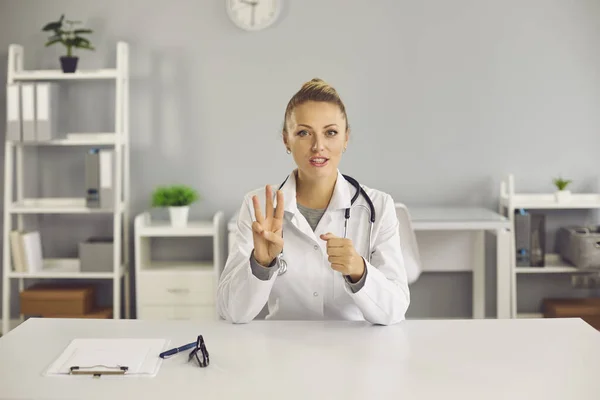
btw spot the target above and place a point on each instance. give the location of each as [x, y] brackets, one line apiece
[177, 312]
[176, 289]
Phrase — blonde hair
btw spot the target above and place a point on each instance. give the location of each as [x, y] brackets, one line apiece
[314, 90]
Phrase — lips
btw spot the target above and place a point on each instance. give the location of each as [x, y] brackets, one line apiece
[318, 161]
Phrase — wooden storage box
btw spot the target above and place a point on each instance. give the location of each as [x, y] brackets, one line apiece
[587, 309]
[51, 299]
[96, 313]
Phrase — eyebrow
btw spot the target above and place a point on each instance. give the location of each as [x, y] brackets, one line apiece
[308, 126]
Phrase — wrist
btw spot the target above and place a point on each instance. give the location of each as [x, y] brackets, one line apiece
[262, 262]
[358, 272]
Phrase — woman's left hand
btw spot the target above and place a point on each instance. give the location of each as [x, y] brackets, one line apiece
[343, 257]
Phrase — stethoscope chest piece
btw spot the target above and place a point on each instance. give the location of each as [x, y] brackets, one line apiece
[282, 264]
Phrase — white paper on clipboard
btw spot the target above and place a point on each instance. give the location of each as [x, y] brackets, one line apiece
[140, 356]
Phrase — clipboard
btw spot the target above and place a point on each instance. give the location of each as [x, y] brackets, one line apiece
[111, 357]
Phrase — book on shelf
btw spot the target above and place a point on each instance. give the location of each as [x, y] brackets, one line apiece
[26, 251]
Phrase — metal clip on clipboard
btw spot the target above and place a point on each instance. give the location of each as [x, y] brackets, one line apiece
[116, 370]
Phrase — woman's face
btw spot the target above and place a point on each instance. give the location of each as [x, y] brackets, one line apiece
[317, 137]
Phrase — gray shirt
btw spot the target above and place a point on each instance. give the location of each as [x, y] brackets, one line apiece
[313, 216]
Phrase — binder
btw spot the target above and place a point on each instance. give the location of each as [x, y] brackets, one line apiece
[98, 357]
[99, 176]
[28, 111]
[46, 111]
[106, 178]
[13, 112]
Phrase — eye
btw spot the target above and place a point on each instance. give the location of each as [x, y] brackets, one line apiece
[332, 132]
[302, 133]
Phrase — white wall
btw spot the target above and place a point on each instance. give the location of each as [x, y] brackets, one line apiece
[445, 98]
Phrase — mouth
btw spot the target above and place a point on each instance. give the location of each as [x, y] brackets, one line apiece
[318, 161]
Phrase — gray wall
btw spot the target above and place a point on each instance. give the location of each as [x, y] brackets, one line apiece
[445, 99]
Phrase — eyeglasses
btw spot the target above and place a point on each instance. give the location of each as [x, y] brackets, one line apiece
[200, 347]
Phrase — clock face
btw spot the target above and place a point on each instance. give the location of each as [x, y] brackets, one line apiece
[253, 15]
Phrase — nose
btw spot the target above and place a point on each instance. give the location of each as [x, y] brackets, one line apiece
[317, 144]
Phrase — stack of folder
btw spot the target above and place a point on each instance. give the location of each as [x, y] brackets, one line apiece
[31, 111]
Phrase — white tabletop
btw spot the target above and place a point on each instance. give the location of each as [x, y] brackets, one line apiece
[456, 218]
[445, 218]
[456, 359]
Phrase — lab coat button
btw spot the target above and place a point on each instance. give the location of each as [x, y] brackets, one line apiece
[316, 247]
[315, 294]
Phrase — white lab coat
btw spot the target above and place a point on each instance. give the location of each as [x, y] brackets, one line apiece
[311, 289]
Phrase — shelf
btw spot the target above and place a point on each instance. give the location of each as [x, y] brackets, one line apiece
[164, 229]
[62, 205]
[529, 315]
[547, 201]
[64, 268]
[57, 74]
[77, 139]
[175, 266]
[554, 265]
[169, 267]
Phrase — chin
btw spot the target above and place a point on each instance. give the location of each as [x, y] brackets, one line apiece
[319, 172]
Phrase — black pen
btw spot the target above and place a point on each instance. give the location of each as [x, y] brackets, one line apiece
[177, 350]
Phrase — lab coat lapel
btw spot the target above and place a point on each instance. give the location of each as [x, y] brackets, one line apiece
[291, 208]
[340, 200]
[333, 219]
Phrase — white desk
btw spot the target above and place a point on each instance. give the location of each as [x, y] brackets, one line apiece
[451, 239]
[458, 359]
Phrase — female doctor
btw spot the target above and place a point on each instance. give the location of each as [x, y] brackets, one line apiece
[314, 252]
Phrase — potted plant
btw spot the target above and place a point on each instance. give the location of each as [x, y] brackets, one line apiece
[177, 198]
[70, 38]
[562, 194]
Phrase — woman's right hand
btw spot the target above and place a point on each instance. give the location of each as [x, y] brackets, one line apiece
[267, 230]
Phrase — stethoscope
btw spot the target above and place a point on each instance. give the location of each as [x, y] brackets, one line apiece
[359, 191]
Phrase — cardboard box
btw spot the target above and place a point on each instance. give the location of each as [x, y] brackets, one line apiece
[52, 299]
[587, 309]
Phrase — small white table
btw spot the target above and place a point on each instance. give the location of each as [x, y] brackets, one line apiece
[441, 252]
[457, 359]
[455, 242]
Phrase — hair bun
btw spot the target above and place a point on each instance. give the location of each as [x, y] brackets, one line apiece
[318, 84]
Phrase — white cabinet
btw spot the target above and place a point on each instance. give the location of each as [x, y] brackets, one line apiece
[177, 289]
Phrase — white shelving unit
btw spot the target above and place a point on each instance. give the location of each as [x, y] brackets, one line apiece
[177, 289]
[17, 206]
[509, 202]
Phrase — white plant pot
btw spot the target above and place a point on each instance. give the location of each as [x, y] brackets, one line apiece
[562, 196]
[179, 216]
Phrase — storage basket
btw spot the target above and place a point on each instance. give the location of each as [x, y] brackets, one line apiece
[579, 246]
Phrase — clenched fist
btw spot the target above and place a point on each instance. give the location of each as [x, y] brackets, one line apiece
[343, 257]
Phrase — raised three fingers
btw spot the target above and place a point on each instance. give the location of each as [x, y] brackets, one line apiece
[257, 213]
[279, 209]
[269, 202]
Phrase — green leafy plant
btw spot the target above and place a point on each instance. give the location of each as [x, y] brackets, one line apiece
[561, 183]
[69, 37]
[174, 196]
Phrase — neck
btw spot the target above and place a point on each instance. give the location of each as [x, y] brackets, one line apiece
[314, 193]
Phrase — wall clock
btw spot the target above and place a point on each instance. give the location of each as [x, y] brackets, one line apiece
[253, 15]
